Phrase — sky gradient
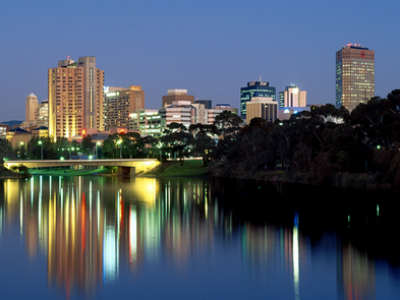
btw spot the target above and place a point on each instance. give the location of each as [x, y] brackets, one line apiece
[210, 48]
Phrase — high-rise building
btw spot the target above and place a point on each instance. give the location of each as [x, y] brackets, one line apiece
[207, 103]
[119, 103]
[31, 107]
[37, 114]
[255, 89]
[148, 122]
[176, 95]
[75, 91]
[355, 76]
[292, 97]
[179, 112]
[43, 113]
[262, 107]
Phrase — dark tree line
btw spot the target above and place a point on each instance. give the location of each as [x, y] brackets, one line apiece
[323, 142]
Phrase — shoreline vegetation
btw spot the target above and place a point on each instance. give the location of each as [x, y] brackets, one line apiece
[196, 168]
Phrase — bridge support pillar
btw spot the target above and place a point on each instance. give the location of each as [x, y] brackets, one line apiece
[126, 171]
[132, 172]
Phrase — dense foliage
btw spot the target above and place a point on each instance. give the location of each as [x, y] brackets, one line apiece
[323, 142]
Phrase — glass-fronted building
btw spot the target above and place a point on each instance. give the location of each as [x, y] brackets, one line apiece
[355, 76]
[255, 89]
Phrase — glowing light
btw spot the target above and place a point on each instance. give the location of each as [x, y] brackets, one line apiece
[296, 263]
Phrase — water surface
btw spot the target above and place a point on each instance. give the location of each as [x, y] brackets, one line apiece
[145, 238]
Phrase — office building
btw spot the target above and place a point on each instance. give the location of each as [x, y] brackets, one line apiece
[176, 95]
[355, 76]
[31, 106]
[262, 107]
[255, 89]
[292, 97]
[75, 93]
[148, 122]
[219, 108]
[179, 112]
[3, 130]
[207, 103]
[37, 114]
[119, 103]
[43, 113]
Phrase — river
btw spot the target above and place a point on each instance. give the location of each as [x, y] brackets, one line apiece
[194, 238]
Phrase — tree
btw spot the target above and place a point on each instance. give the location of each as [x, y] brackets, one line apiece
[87, 145]
[227, 123]
[204, 146]
[177, 141]
[110, 147]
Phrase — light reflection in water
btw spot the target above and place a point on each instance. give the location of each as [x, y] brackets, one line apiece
[296, 263]
[1, 223]
[89, 232]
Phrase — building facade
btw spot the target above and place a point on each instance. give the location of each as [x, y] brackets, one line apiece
[292, 97]
[148, 122]
[219, 108]
[43, 113]
[119, 103]
[176, 95]
[355, 76]
[255, 89]
[179, 112]
[262, 107]
[207, 103]
[75, 95]
[31, 106]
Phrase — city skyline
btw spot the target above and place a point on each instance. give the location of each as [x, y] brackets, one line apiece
[210, 49]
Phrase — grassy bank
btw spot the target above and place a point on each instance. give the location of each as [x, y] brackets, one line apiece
[67, 172]
[174, 168]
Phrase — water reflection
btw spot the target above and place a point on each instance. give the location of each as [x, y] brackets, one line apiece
[91, 228]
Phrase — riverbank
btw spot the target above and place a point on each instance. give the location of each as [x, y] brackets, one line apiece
[174, 169]
[369, 181]
[7, 174]
[68, 172]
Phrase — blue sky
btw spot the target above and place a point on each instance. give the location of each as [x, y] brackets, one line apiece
[211, 48]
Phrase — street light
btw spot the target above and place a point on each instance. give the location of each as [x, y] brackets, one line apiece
[98, 145]
[20, 145]
[41, 153]
[120, 148]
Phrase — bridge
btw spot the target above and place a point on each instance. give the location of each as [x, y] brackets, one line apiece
[125, 166]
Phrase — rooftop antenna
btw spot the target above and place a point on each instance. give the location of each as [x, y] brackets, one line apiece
[260, 78]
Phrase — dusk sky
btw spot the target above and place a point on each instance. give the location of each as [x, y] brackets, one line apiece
[210, 48]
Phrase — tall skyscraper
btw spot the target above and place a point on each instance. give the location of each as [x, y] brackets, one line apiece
[355, 76]
[119, 103]
[31, 107]
[176, 95]
[292, 97]
[75, 91]
[255, 89]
